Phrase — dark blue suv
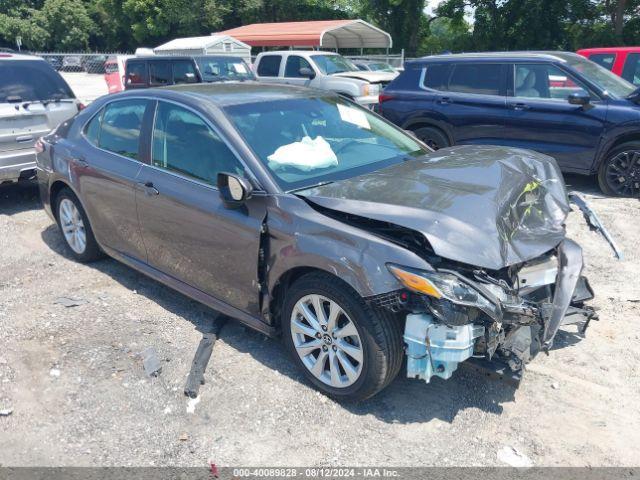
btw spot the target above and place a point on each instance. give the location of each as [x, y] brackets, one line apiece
[557, 103]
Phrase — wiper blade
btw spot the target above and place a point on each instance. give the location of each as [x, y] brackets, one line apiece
[594, 222]
[321, 184]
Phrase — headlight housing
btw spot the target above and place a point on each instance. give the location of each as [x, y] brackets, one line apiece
[370, 89]
[440, 285]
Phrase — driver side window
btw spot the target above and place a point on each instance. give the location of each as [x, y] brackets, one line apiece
[545, 82]
[293, 66]
[185, 144]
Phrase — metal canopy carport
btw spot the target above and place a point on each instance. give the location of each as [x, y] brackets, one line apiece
[322, 33]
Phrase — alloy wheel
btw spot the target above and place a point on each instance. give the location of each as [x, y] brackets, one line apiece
[327, 341]
[622, 173]
[72, 226]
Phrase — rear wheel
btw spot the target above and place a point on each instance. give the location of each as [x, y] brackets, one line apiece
[433, 137]
[346, 349]
[75, 228]
[619, 172]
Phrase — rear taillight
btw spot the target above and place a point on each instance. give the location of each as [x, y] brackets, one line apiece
[384, 97]
[39, 146]
[81, 106]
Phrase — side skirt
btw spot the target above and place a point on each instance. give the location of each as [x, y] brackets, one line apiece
[194, 293]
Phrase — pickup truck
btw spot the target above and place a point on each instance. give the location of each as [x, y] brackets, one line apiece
[323, 70]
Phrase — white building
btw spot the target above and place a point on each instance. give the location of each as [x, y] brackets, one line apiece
[208, 45]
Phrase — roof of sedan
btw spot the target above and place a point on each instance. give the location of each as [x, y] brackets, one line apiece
[503, 56]
[233, 93]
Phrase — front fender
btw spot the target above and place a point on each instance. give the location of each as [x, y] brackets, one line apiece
[300, 236]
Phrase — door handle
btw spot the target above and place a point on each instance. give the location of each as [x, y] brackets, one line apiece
[80, 161]
[24, 138]
[444, 101]
[148, 188]
[520, 106]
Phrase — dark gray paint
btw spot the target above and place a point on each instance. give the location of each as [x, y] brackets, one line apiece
[468, 201]
[460, 199]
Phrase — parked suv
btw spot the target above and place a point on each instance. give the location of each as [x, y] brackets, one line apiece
[34, 99]
[557, 103]
[145, 72]
[322, 70]
[623, 61]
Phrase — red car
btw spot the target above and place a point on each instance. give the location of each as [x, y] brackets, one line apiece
[623, 61]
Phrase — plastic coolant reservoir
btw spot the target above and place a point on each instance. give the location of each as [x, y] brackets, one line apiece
[436, 349]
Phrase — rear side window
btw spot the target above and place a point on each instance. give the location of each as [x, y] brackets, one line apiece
[120, 127]
[31, 80]
[435, 77]
[269, 66]
[184, 72]
[159, 73]
[631, 71]
[603, 59]
[478, 78]
[184, 143]
[136, 73]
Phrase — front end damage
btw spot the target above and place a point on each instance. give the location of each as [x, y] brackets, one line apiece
[500, 319]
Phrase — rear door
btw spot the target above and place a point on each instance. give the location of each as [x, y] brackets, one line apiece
[541, 118]
[188, 232]
[473, 102]
[33, 100]
[106, 164]
[268, 69]
[631, 69]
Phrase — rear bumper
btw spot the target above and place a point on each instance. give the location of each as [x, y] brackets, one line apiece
[16, 163]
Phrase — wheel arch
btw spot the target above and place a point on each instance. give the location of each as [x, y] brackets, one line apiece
[616, 142]
[416, 124]
[55, 189]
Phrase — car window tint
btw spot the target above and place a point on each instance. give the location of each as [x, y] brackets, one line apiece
[293, 66]
[184, 143]
[92, 129]
[631, 71]
[478, 78]
[121, 122]
[29, 80]
[184, 72]
[545, 81]
[159, 73]
[436, 77]
[136, 73]
[269, 66]
[603, 59]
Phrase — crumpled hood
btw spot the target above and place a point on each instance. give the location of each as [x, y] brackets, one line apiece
[489, 207]
[371, 77]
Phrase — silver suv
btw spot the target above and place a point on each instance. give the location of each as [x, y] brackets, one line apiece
[34, 99]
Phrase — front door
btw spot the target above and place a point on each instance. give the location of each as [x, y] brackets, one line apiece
[188, 232]
[292, 69]
[541, 118]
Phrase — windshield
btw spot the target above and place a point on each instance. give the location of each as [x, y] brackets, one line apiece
[223, 68]
[308, 141]
[31, 80]
[330, 64]
[603, 78]
[381, 67]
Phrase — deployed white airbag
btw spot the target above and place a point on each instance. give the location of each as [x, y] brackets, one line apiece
[307, 154]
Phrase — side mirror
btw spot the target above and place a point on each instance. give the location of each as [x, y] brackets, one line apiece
[307, 73]
[579, 98]
[234, 190]
[190, 78]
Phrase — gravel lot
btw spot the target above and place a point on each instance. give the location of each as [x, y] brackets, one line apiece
[79, 395]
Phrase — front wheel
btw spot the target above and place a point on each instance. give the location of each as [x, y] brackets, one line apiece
[619, 172]
[346, 349]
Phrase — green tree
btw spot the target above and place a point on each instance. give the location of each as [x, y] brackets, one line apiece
[67, 24]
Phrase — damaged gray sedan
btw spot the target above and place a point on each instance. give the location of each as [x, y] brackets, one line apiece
[304, 215]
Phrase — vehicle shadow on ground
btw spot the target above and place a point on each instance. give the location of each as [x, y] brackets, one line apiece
[404, 401]
[587, 184]
[19, 197]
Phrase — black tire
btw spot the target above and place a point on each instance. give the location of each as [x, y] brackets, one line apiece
[433, 137]
[91, 251]
[379, 330]
[613, 179]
